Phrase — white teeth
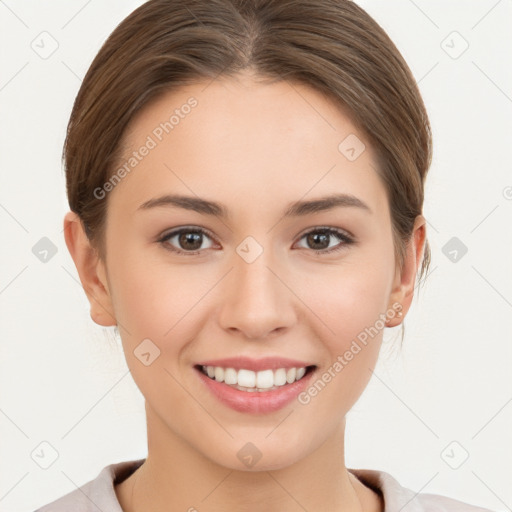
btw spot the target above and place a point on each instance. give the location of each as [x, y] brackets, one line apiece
[219, 374]
[290, 375]
[280, 377]
[247, 380]
[265, 379]
[230, 376]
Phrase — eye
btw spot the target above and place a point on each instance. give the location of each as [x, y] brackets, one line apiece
[319, 238]
[190, 239]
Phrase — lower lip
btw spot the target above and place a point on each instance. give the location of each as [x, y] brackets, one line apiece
[256, 402]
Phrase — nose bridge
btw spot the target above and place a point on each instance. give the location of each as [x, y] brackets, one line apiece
[256, 302]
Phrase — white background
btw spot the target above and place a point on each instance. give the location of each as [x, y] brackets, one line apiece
[64, 380]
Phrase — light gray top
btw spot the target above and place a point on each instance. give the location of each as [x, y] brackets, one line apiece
[99, 495]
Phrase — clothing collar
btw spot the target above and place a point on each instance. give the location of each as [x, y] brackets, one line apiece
[396, 498]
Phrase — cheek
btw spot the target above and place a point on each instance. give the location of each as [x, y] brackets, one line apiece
[159, 301]
[352, 298]
[155, 303]
[356, 315]
[352, 303]
[145, 301]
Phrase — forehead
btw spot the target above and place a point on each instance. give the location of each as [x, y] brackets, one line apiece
[239, 137]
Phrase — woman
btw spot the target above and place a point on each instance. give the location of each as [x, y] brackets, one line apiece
[246, 182]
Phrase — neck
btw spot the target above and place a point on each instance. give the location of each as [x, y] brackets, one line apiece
[175, 476]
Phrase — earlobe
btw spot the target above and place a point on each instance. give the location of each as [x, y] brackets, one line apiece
[90, 270]
[403, 292]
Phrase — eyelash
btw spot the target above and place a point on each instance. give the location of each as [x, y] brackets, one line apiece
[342, 236]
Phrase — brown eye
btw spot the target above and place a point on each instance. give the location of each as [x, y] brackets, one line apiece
[191, 241]
[188, 240]
[319, 240]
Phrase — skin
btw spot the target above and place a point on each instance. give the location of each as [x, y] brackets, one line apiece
[254, 148]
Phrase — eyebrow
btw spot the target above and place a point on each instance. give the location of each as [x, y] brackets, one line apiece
[296, 209]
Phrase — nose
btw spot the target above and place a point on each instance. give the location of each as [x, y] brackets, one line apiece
[257, 301]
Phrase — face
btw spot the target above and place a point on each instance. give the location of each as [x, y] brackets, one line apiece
[298, 285]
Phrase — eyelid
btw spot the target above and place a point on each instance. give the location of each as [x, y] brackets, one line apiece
[332, 229]
[187, 228]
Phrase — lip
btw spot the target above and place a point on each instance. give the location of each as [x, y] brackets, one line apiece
[256, 365]
[256, 402]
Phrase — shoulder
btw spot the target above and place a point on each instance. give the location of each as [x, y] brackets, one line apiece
[97, 494]
[397, 498]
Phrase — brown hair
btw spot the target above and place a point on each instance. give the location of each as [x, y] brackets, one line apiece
[333, 46]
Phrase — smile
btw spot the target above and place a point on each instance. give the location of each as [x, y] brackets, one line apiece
[255, 381]
[255, 386]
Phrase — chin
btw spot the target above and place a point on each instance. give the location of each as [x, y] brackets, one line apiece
[258, 456]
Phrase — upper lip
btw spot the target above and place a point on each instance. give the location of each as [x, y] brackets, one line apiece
[265, 363]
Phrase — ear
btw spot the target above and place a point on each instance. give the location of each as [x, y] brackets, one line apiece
[403, 286]
[91, 270]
